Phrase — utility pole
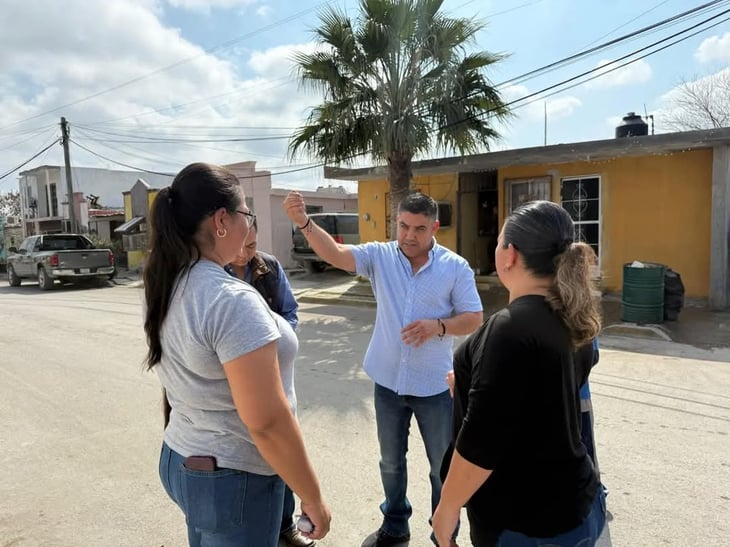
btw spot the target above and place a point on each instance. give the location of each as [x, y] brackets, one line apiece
[69, 183]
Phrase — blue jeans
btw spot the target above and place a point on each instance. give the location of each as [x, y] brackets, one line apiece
[287, 515]
[584, 535]
[393, 414]
[225, 507]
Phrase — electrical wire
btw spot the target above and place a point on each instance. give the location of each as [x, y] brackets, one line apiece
[226, 44]
[147, 157]
[602, 67]
[617, 67]
[576, 56]
[283, 79]
[171, 175]
[516, 101]
[26, 162]
[160, 140]
[551, 67]
[133, 133]
[610, 32]
[17, 133]
[119, 162]
[34, 136]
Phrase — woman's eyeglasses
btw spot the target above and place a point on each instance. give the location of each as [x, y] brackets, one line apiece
[250, 217]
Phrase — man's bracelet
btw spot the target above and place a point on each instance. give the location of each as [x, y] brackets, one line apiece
[443, 328]
[309, 219]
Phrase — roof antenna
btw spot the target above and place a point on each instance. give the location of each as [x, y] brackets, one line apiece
[649, 117]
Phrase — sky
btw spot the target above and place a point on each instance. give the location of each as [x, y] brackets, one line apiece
[143, 82]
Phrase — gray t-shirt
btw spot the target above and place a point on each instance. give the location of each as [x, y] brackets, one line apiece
[214, 318]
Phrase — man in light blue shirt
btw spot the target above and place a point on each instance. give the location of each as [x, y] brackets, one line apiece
[425, 295]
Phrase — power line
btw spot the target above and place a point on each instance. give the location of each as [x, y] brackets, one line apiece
[119, 162]
[610, 32]
[613, 68]
[522, 99]
[603, 67]
[516, 101]
[525, 76]
[19, 132]
[26, 162]
[133, 133]
[18, 143]
[198, 147]
[600, 68]
[228, 43]
[571, 58]
[283, 79]
[151, 140]
[147, 157]
[171, 175]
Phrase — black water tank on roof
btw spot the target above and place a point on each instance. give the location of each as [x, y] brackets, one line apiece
[632, 126]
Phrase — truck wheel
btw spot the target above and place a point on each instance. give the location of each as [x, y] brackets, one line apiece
[311, 266]
[13, 279]
[44, 281]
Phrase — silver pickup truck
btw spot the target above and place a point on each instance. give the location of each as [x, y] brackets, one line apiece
[67, 257]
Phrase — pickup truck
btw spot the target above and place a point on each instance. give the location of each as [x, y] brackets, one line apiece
[70, 258]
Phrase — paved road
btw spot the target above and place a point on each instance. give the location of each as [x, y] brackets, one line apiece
[80, 429]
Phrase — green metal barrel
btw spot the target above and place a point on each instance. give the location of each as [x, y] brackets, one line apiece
[642, 300]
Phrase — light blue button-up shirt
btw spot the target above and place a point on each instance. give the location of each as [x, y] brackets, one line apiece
[443, 287]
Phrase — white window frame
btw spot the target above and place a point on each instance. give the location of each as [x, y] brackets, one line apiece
[600, 212]
[509, 183]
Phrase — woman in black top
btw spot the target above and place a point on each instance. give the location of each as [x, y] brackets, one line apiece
[518, 463]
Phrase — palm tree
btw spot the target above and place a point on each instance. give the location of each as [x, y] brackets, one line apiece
[396, 84]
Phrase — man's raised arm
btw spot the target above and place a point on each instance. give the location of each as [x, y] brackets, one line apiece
[336, 254]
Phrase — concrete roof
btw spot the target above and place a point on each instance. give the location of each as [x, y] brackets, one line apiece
[558, 153]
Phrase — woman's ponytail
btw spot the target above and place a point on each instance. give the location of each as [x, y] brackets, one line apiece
[170, 252]
[573, 295]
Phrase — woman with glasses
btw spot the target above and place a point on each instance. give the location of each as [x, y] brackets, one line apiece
[226, 364]
[518, 463]
[265, 274]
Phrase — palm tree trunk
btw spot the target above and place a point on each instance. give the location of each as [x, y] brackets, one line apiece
[400, 184]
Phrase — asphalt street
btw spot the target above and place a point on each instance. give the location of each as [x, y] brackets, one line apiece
[80, 429]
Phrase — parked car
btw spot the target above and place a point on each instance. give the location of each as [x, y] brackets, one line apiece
[343, 227]
[69, 258]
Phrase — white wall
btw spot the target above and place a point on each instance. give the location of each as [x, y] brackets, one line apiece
[105, 183]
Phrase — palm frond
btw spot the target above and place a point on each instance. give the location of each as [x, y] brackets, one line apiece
[397, 81]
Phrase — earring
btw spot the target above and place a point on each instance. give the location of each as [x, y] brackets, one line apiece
[221, 232]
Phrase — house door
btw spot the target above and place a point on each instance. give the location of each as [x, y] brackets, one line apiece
[478, 225]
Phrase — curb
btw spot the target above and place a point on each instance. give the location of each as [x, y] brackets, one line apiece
[634, 330]
[324, 298]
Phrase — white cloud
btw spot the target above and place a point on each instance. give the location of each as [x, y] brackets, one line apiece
[557, 107]
[206, 6]
[263, 11]
[609, 76]
[277, 61]
[714, 48]
[514, 92]
[560, 107]
[113, 43]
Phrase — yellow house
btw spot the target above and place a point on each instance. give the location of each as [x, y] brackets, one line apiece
[137, 203]
[660, 198]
